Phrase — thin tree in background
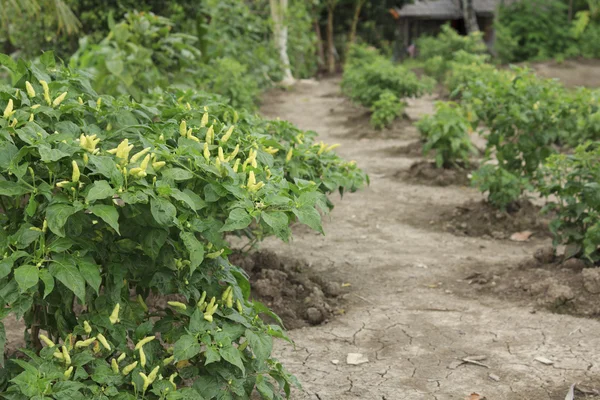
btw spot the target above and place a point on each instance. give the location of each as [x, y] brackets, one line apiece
[278, 13]
[469, 16]
[355, 19]
[330, 44]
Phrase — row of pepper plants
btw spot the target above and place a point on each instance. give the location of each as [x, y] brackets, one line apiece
[106, 201]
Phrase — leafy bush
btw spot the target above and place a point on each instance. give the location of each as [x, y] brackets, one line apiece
[386, 110]
[531, 29]
[106, 201]
[571, 181]
[447, 133]
[503, 187]
[438, 51]
[139, 54]
[367, 75]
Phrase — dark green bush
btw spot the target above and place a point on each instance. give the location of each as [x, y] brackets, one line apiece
[386, 110]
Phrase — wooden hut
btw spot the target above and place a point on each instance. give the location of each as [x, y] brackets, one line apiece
[425, 17]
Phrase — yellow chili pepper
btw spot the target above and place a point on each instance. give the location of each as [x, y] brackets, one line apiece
[251, 180]
[229, 301]
[84, 343]
[114, 366]
[158, 165]
[142, 357]
[114, 316]
[204, 120]
[144, 163]
[177, 304]
[236, 165]
[288, 157]
[172, 380]
[168, 360]
[220, 155]
[8, 111]
[103, 341]
[87, 327]
[76, 174]
[129, 368]
[80, 100]
[68, 372]
[152, 375]
[206, 152]
[58, 355]
[59, 100]
[141, 300]
[238, 304]
[183, 128]
[225, 293]
[46, 91]
[30, 89]
[46, 340]
[121, 357]
[210, 135]
[66, 355]
[139, 155]
[142, 342]
[333, 146]
[271, 150]
[227, 135]
[31, 117]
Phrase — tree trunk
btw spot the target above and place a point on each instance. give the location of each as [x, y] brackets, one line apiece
[330, 44]
[570, 10]
[359, 5]
[469, 16]
[320, 48]
[280, 29]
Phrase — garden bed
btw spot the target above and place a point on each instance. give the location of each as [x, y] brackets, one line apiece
[426, 173]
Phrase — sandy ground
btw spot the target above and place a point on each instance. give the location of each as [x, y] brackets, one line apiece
[404, 313]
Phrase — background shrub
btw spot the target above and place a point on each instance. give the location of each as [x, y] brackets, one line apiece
[386, 110]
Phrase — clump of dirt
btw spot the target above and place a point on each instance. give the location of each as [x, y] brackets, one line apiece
[481, 219]
[570, 286]
[291, 291]
[427, 173]
[413, 149]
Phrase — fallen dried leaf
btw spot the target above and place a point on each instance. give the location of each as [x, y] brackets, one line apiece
[521, 236]
[356, 359]
[475, 396]
[544, 360]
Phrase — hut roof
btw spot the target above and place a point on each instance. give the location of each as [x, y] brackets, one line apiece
[446, 9]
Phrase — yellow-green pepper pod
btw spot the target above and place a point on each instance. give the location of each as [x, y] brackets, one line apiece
[129, 368]
[46, 91]
[251, 180]
[142, 342]
[210, 135]
[172, 380]
[234, 153]
[243, 346]
[66, 355]
[183, 128]
[98, 103]
[153, 374]
[225, 293]
[58, 355]
[206, 152]
[144, 163]
[80, 101]
[288, 157]
[31, 117]
[188, 106]
[142, 357]
[114, 316]
[220, 154]
[87, 327]
[236, 165]
[47, 340]
[84, 343]
[121, 357]
[8, 111]
[76, 174]
[202, 298]
[103, 341]
[139, 155]
[114, 366]
[227, 135]
[30, 89]
[146, 381]
[238, 304]
[158, 165]
[177, 304]
[142, 303]
[168, 360]
[204, 120]
[215, 254]
[68, 372]
[210, 305]
[59, 99]
[333, 146]
[236, 117]
[45, 226]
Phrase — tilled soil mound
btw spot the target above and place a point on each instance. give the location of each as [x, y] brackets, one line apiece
[290, 290]
[569, 286]
[413, 150]
[481, 219]
[427, 173]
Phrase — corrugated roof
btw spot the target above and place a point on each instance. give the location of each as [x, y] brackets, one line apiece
[446, 9]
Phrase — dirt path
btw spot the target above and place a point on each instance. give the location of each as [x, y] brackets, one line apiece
[404, 313]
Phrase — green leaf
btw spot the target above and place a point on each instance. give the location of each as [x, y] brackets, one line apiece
[261, 344]
[186, 347]
[163, 211]
[311, 217]
[26, 276]
[66, 272]
[48, 281]
[99, 190]
[7, 263]
[2, 343]
[264, 387]
[211, 355]
[9, 188]
[153, 240]
[198, 323]
[233, 356]
[195, 248]
[238, 219]
[115, 66]
[109, 214]
[106, 167]
[278, 221]
[49, 155]
[57, 216]
[177, 174]
[90, 271]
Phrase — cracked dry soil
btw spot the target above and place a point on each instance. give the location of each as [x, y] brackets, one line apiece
[408, 312]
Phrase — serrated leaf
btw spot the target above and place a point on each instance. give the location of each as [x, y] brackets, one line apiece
[99, 190]
[26, 276]
[109, 214]
[67, 273]
[57, 216]
[261, 344]
[186, 347]
[238, 219]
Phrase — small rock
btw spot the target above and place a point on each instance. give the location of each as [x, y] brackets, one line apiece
[356, 359]
[544, 360]
[498, 235]
[574, 264]
[494, 377]
[463, 225]
[545, 255]
[591, 280]
[335, 362]
[314, 315]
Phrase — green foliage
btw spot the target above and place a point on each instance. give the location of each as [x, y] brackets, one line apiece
[438, 51]
[386, 110]
[140, 53]
[302, 39]
[571, 181]
[447, 133]
[105, 199]
[503, 187]
[367, 75]
[530, 29]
